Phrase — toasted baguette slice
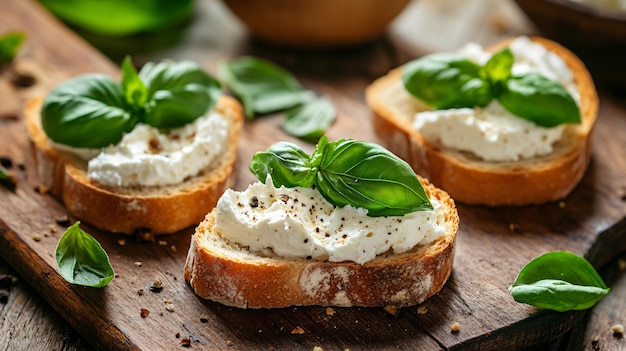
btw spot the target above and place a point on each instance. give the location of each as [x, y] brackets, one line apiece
[222, 271]
[474, 181]
[160, 210]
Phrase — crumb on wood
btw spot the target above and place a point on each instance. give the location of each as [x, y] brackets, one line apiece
[37, 237]
[169, 305]
[144, 235]
[561, 204]
[229, 343]
[121, 242]
[204, 319]
[513, 227]
[144, 313]
[140, 292]
[138, 263]
[455, 327]
[621, 263]
[173, 248]
[42, 189]
[162, 242]
[618, 330]
[317, 348]
[422, 310]
[177, 335]
[156, 285]
[52, 229]
[392, 310]
[297, 331]
[185, 342]
[63, 221]
[330, 311]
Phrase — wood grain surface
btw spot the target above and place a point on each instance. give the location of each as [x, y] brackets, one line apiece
[493, 244]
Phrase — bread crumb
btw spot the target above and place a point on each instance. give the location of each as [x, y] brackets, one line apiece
[156, 285]
[297, 330]
[422, 310]
[562, 204]
[317, 348]
[177, 335]
[330, 311]
[144, 234]
[137, 263]
[513, 227]
[169, 305]
[621, 263]
[42, 189]
[140, 292]
[121, 242]
[618, 330]
[63, 221]
[162, 242]
[173, 248]
[52, 229]
[229, 343]
[144, 313]
[392, 310]
[185, 342]
[455, 327]
[37, 237]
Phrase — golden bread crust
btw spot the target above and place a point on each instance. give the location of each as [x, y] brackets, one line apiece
[222, 271]
[473, 181]
[160, 210]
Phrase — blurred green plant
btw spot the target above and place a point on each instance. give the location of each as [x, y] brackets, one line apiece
[120, 17]
[9, 45]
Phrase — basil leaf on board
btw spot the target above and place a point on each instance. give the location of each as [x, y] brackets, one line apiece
[262, 86]
[346, 172]
[446, 81]
[121, 17]
[178, 93]
[9, 45]
[82, 260]
[135, 92]
[287, 163]
[310, 120]
[560, 281]
[88, 111]
[498, 67]
[364, 174]
[539, 100]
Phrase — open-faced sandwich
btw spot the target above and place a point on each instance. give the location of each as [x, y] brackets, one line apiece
[152, 153]
[349, 225]
[510, 125]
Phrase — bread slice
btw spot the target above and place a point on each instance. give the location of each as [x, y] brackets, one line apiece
[474, 181]
[155, 209]
[222, 271]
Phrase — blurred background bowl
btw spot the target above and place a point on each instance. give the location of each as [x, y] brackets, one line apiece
[595, 33]
[317, 24]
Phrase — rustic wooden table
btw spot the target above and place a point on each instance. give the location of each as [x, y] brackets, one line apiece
[29, 323]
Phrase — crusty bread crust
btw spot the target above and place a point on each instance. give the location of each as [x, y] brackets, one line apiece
[159, 210]
[222, 271]
[471, 180]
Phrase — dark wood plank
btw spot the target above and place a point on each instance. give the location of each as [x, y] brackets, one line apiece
[490, 253]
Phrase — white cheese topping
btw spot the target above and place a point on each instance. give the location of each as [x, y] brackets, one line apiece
[148, 157]
[492, 133]
[299, 222]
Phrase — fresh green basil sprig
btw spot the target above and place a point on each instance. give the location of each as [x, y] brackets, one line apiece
[82, 260]
[559, 281]
[9, 45]
[93, 110]
[264, 87]
[346, 172]
[444, 81]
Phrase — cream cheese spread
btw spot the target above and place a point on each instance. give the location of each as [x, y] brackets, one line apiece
[492, 133]
[300, 222]
[147, 156]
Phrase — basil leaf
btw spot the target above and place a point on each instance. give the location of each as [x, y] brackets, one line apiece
[559, 281]
[9, 45]
[134, 90]
[309, 121]
[539, 100]
[364, 174]
[82, 260]
[262, 86]
[498, 68]
[446, 81]
[287, 163]
[120, 17]
[87, 111]
[178, 93]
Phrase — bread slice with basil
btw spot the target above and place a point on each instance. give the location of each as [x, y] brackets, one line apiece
[469, 179]
[223, 271]
[154, 209]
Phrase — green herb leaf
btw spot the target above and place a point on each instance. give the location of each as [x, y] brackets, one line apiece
[6, 179]
[262, 86]
[446, 81]
[539, 100]
[364, 174]
[287, 163]
[9, 45]
[178, 93]
[87, 111]
[134, 90]
[310, 120]
[121, 17]
[498, 68]
[82, 260]
[346, 172]
[559, 281]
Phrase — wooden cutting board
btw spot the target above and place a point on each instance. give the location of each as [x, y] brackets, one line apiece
[493, 244]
